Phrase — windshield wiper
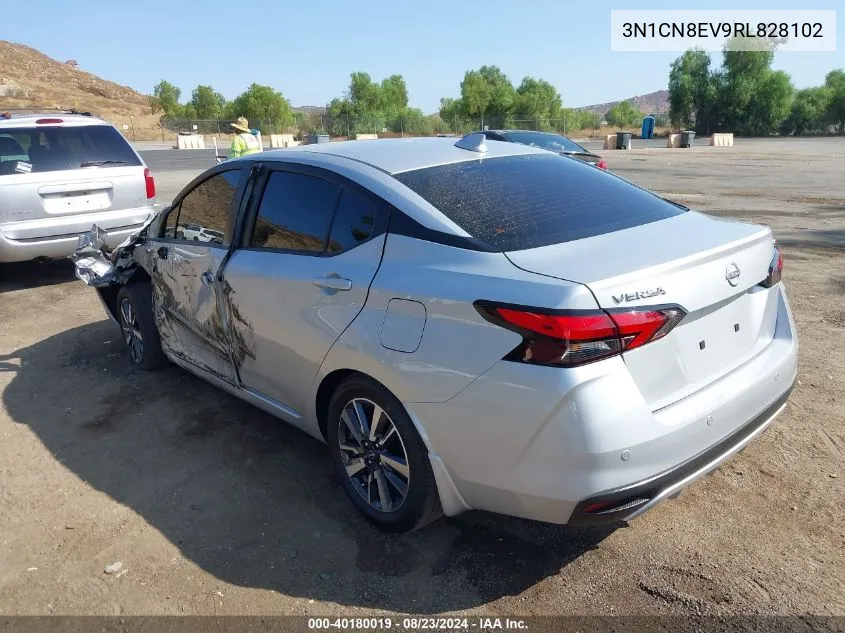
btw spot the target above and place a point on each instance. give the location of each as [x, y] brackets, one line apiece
[97, 163]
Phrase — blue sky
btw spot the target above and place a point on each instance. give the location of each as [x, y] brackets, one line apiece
[306, 50]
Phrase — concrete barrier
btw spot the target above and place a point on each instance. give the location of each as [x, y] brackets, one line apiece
[722, 140]
[190, 141]
[673, 140]
[366, 137]
[282, 140]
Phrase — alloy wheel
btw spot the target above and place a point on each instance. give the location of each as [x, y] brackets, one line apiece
[373, 455]
[131, 331]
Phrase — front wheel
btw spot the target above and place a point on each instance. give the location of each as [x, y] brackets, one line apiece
[137, 325]
[380, 457]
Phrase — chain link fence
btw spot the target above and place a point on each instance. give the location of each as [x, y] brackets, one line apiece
[347, 126]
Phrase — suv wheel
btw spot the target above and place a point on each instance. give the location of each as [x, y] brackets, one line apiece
[380, 457]
[135, 316]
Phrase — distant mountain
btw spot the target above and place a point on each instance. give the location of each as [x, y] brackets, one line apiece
[309, 109]
[652, 103]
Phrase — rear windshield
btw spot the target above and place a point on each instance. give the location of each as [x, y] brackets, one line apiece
[551, 142]
[52, 148]
[517, 202]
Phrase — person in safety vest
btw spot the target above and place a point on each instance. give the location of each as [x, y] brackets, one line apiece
[245, 142]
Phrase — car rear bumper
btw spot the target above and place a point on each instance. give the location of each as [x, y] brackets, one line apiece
[545, 444]
[55, 238]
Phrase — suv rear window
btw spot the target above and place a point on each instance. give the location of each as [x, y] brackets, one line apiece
[55, 148]
[518, 202]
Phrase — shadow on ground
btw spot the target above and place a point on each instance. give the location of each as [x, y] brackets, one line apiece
[251, 500]
[22, 275]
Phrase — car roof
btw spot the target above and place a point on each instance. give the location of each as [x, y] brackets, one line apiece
[28, 119]
[394, 156]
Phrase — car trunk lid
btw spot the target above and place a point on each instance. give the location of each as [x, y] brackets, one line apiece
[710, 267]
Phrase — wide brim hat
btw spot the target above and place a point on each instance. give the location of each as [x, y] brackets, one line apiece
[241, 124]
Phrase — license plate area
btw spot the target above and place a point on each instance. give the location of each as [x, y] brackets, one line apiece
[62, 203]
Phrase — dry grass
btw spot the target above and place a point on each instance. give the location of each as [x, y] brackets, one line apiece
[29, 78]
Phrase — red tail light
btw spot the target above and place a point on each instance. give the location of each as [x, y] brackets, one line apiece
[150, 182]
[775, 270]
[601, 164]
[571, 338]
[49, 121]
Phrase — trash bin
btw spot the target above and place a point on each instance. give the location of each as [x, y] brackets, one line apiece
[317, 138]
[623, 140]
[687, 137]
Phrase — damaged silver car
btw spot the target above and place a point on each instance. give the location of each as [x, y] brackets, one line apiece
[467, 325]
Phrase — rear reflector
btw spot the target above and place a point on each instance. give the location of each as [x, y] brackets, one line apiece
[150, 182]
[49, 121]
[572, 338]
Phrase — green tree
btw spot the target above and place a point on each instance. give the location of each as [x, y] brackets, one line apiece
[808, 113]
[364, 95]
[538, 102]
[262, 105]
[207, 103]
[747, 88]
[691, 90]
[835, 84]
[770, 103]
[476, 94]
[393, 94]
[165, 99]
[623, 114]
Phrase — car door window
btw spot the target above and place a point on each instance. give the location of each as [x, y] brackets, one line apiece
[204, 211]
[354, 222]
[170, 223]
[295, 213]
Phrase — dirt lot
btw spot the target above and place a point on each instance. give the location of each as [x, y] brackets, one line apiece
[215, 508]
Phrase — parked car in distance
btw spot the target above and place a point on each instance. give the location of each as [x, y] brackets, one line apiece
[466, 324]
[548, 141]
[60, 172]
[199, 233]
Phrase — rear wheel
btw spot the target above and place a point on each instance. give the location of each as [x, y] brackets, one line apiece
[380, 457]
[135, 316]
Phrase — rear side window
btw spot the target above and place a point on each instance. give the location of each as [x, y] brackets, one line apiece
[295, 213]
[354, 222]
[518, 202]
[53, 148]
[204, 211]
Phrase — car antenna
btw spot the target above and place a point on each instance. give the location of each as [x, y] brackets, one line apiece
[474, 142]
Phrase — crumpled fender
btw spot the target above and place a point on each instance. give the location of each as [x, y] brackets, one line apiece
[98, 267]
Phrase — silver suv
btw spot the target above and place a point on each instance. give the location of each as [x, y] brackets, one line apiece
[59, 173]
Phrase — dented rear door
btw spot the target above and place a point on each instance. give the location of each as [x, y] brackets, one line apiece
[185, 271]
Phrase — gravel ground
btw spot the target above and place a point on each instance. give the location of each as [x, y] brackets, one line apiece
[212, 507]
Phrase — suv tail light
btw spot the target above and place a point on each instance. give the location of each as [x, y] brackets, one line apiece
[150, 182]
[566, 338]
[775, 270]
[602, 164]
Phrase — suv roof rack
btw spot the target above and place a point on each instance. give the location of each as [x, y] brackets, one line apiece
[36, 110]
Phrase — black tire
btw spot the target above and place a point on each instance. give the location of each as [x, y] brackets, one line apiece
[146, 353]
[421, 504]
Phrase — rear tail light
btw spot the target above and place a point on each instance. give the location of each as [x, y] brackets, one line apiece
[571, 338]
[49, 121]
[601, 164]
[150, 183]
[775, 270]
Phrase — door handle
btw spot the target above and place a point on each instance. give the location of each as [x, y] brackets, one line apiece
[207, 278]
[162, 252]
[333, 283]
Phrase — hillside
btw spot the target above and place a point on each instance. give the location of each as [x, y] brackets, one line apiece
[652, 103]
[29, 78]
